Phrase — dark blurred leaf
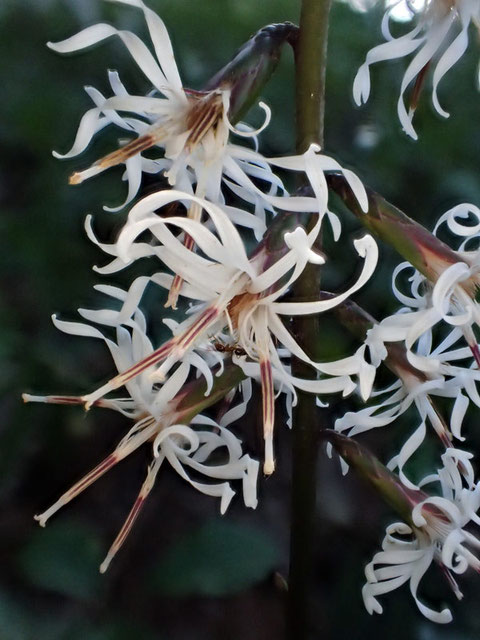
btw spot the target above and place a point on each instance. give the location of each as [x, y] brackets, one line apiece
[219, 558]
[115, 630]
[64, 557]
[14, 623]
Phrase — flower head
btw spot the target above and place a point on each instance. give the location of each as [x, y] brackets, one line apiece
[412, 387]
[451, 376]
[165, 415]
[432, 362]
[193, 130]
[236, 294]
[447, 297]
[192, 127]
[436, 531]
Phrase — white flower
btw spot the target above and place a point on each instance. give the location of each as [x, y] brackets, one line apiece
[435, 319]
[407, 390]
[441, 35]
[450, 300]
[436, 532]
[237, 294]
[158, 419]
[192, 128]
[451, 377]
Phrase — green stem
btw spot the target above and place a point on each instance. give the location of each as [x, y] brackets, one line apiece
[310, 58]
[310, 62]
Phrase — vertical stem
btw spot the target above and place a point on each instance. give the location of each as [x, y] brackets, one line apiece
[310, 62]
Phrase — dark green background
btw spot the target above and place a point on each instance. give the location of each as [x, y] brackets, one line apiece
[185, 573]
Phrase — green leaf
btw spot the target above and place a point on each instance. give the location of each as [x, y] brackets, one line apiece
[219, 558]
[64, 558]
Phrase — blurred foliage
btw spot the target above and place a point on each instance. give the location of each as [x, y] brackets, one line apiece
[72, 569]
[49, 588]
[219, 558]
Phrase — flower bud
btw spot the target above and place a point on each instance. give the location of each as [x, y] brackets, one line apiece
[252, 67]
[387, 484]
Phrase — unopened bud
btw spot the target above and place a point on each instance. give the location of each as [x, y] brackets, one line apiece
[387, 484]
[414, 243]
[252, 67]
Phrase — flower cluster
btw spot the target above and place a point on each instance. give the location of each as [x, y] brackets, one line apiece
[232, 331]
[435, 526]
[430, 346]
[435, 532]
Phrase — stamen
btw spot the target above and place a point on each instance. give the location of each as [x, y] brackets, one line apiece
[173, 349]
[132, 516]
[148, 427]
[443, 432]
[440, 426]
[118, 381]
[178, 280]
[26, 397]
[120, 155]
[202, 323]
[268, 405]
[82, 484]
[451, 581]
[160, 374]
[476, 353]
[471, 340]
[194, 213]
[203, 115]
[71, 400]
[417, 89]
